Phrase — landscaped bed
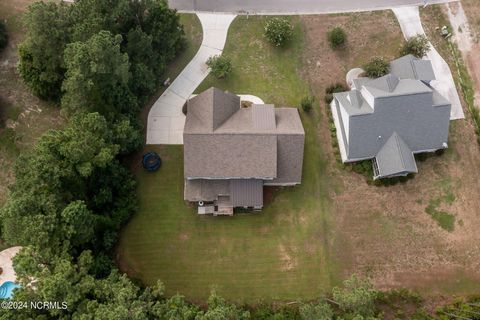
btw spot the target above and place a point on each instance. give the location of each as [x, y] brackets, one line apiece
[311, 236]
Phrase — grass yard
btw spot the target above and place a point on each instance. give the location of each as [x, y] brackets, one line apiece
[281, 253]
[420, 235]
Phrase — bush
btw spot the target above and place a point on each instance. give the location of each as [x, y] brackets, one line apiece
[357, 297]
[278, 31]
[377, 67]
[337, 37]
[334, 88]
[220, 66]
[307, 103]
[3, 36]
[417, 46]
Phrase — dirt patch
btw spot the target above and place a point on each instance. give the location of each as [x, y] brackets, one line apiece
[385, 232]
[288, 261]
[23, 117]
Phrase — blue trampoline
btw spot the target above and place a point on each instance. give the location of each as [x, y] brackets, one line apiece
[151, 161]
[6, 289]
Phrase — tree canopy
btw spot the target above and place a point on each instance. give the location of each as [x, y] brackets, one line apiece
[144, 36]
[71, 192]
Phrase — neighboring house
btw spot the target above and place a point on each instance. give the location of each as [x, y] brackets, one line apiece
[231, 152]
[391, 118]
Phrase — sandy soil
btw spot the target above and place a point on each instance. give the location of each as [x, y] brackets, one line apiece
[467, 38]
[384, 232]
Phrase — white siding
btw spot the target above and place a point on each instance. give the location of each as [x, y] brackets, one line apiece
[368, 97]
[346, 121]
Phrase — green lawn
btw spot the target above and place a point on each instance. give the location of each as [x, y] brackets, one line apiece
[281, 253]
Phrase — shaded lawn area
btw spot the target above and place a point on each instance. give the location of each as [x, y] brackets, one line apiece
[281, 253]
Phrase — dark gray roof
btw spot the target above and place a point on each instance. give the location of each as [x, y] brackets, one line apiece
[410, 67]
[246, 193]
[377, 109]
[395, 158]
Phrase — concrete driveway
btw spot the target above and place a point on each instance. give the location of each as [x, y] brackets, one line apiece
[409, 19]
[165, 119]
[291, 6]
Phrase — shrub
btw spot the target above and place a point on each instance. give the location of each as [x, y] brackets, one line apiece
[3, 36]
[307, 103]
[356, 297]
[278, 31]
[220, 66]
[334, 88]
[377, 67]
[418, 46]
[337, 37]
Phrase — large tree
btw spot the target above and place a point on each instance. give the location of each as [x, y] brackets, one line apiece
[97, 77]
[71, 192]
[41, 54]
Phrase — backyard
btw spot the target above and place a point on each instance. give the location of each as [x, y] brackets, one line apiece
[282, 253]
[311, 236]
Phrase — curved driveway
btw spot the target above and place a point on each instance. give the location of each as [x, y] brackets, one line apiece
[409, 19]
[292, 6]
[165, 119]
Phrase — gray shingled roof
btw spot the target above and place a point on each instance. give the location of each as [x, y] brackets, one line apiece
[224, 156]
[260, 142]
[395, 158]
[410, 67]
[378, 109]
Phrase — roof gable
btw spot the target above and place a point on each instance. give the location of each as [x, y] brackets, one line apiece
[395, 157]
[212, 108]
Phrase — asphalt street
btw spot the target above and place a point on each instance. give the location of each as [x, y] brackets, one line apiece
[292, 6]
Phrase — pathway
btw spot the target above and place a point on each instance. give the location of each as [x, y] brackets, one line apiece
[409, 19]
[165, 119]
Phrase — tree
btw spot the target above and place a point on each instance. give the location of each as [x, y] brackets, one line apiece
[41, 63]
[97, 77]
[220, 66]
[278, 31]
[337, 37]
[357, 297]
[320, 311]
[71, 192]
[3, 36]
[376, 67]
[219, 309]
[417, 46]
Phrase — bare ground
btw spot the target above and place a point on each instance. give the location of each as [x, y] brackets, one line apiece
[385, 232]
[23, 117]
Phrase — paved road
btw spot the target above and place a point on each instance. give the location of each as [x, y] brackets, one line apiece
[291, 6]
[409, 20]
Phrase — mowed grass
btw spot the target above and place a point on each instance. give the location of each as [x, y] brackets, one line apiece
[281, 253]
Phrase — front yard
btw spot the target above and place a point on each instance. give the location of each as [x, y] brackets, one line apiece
[311, 236]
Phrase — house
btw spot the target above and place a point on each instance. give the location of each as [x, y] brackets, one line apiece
[391, 118]
[231, 152]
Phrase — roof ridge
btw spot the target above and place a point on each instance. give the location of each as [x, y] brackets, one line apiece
[397, 137]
